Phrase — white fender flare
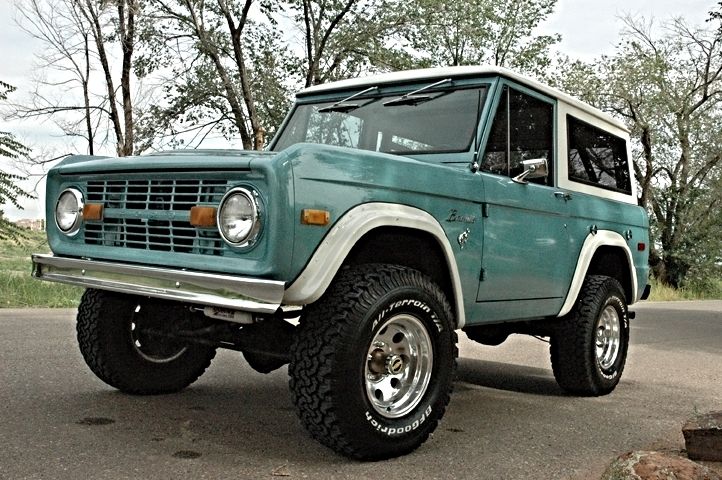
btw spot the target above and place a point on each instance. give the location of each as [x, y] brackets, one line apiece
[589, 248]
[335, 247]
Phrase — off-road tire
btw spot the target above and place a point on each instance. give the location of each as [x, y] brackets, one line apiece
[105, 339]
[330, 358]
[575, 362]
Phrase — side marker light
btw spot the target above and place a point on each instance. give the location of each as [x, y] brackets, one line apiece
[315, 217]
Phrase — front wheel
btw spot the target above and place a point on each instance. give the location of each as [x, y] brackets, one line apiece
[589, 347]
[373, 362]
[127, 342]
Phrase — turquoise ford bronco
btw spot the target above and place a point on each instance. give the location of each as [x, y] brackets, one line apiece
[388, 213]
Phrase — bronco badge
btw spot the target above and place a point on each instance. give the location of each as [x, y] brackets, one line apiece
[455, 217]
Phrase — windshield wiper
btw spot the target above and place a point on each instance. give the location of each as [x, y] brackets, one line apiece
[412, 98]
[342, 106]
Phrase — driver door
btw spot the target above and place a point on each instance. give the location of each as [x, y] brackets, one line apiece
[526, 259]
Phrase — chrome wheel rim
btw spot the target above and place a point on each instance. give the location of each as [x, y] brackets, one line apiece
[152, 348]
[608, 337]
[398, 366]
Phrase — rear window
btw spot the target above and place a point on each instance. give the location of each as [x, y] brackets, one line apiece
[597, 157]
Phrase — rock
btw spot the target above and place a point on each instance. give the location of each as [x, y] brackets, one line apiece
[641, 465]
[703, 437]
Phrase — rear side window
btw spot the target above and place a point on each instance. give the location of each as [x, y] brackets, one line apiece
[597, 157]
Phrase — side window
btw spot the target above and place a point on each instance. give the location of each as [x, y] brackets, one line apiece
[597, 157]
[522, 129]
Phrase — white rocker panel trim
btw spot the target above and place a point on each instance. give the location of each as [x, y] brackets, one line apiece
[333, 250]
[591, 244]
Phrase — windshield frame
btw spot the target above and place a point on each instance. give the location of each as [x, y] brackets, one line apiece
[393, 91]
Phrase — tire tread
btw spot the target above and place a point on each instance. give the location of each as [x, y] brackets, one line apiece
[570, 346]
[104, 361]
[321, 335]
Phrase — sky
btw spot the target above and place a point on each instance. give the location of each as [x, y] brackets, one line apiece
[589, 28]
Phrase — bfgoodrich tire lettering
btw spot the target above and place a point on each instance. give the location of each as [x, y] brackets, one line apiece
[343, 351]
[589, 348]
[111, 339]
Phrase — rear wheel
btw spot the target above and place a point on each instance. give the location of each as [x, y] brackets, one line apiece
[127, 342]
[589, 347]
[372, 364]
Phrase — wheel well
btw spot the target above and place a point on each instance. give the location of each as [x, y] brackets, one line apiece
[612, 262]
[405, 246]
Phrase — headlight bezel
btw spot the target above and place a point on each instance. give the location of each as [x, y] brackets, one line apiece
[254, 233]
[80, 203]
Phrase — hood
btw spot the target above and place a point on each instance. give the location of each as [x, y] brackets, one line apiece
[187, 160]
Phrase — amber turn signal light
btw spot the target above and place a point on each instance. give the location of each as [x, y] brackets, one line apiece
[315, 217]
[93, 212]
[203, 216]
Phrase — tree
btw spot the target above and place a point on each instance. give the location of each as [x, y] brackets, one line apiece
[716, 15]
[61, 28]
[233, 72]
[210, 40]
[79, 37]
[668, 89]
[501, 33]
[347, 38]
[122, 23]
[10, 192]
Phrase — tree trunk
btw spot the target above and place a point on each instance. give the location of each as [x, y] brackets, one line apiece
[236, 38]
[127, 42]
[86, 96]
[93, 17]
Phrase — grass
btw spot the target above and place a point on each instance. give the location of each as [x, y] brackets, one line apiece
[665, 293]
[17, 287]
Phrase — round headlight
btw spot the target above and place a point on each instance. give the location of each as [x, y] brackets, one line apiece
[69, 211]
[239, 217]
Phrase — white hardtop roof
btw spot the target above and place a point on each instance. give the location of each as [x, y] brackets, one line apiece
[463, 71]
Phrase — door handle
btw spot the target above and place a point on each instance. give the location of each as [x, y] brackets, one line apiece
[566, 196]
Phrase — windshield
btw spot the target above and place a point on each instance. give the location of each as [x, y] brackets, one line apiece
[437, 122]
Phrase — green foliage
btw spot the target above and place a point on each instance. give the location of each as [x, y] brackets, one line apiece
[10, 192]
[271, 64]
[229, 71]
[196, 100]
[711, 289]
[716, 15]
[212, 88]
[349, 38]
[499, 32]
[668, 90]
[19, 288]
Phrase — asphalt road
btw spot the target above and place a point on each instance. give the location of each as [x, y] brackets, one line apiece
[507, 418]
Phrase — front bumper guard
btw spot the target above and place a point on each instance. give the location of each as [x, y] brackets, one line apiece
[226, 291]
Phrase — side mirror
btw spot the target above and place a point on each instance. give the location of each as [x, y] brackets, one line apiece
[533, 168]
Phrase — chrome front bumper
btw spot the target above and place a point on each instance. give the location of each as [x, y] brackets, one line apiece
[241, 293]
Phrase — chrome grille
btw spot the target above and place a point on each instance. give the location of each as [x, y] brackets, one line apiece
[154, 214]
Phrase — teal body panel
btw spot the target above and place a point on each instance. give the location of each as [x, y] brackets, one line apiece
[267, 173]
[337, 179]
[523, 240]
[525, 237]
[178, 160]
[527, 246]
[589, 212]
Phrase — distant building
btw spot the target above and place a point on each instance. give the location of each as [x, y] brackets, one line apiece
[34, 225]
